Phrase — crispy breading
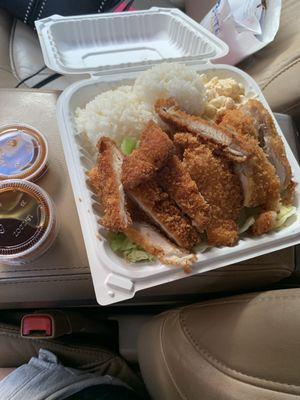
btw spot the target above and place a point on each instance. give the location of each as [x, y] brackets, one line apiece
[288, 195]
[239, 122]
[154, 150]
[163, 211]
[207, 131]
[263, 223]
[177, 182]
[110, 190]
[271, 142]
[94, 178]
[221, 189]
[152, 241]
[222, 232]
[258, 177]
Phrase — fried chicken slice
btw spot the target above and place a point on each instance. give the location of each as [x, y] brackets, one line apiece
[272, 143]
[263, 223]
[152, 241]
[154, 150]
[219, 186]
[177, 182]
[257, 175]
[106, 179]
[170, 113]
[163, 211]
[237, 120]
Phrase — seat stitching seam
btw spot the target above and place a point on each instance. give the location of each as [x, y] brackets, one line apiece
[180, 392]
[212, 360]
[30, 280]
[11, 50]
[281, 72]
[246, 300]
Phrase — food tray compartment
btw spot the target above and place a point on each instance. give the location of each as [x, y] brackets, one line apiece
[114, 278]
[123, 40]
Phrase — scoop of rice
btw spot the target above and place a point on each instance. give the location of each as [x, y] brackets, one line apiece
[172, 80]
[115, 113]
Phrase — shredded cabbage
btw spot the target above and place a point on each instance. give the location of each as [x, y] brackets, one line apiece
[124, 247]
[283, 216]
[128, 145]
[247, 224]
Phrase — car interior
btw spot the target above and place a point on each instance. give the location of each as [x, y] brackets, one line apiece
[224, 333]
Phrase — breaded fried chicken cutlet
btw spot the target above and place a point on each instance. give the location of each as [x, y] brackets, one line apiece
[239, 122]
[177, 182]
[254, 120]
[154, 150]
[165, 214]
[106, 179]
[273, 146]
[155, 243]
[209, 132]
[219, 186]
[257, 175]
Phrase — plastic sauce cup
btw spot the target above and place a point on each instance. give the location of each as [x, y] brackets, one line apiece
[28, 222]
[23, 152]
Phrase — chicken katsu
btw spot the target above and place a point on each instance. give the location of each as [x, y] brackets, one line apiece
[254, 120]
[175, 188]
[164, 212]
[155, 243]
[208, 131]
[177, 182]
[272, 144]
[154, 150]
[258, 177]
[219, 186]
[106, 179]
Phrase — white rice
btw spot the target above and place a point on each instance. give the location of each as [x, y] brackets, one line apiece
[125, 111]
[172, 80]
[115, 113]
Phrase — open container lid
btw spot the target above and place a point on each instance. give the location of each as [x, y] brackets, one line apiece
[124, 41]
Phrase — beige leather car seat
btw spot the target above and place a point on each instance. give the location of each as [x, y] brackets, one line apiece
[238, 348]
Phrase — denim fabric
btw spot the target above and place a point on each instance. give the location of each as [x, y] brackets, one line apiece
[43, 378]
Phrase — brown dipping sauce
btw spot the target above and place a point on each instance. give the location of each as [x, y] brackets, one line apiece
[27, 221]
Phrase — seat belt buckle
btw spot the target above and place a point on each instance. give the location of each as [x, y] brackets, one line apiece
[37, 326]
[45, 326]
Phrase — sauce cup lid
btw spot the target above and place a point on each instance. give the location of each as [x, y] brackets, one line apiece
[23, 152]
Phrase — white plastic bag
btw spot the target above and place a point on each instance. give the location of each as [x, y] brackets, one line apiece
[245, 25]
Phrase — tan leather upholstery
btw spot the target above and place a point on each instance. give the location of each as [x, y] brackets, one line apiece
[277, 67]
[238, 348]
[7, 79]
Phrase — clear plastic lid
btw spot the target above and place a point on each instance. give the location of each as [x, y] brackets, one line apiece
[28, 222]
[23, 152]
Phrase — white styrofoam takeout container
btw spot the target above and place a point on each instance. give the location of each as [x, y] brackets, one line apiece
[114, 49]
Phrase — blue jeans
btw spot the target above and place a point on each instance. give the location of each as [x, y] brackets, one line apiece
[43, 378]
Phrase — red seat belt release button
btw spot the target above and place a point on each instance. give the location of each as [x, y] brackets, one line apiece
[37, 326]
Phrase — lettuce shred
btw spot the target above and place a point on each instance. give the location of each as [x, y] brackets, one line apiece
[284, 217]
[124, 247]
[128, 145]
